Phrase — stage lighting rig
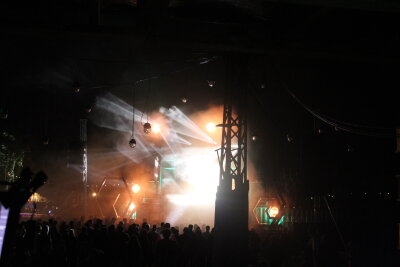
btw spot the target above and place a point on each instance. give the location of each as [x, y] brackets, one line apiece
[45, 140]
[211, 83]
[289, 138]
[76, 87]
[132, 142]
[350, 148]
[147, 128]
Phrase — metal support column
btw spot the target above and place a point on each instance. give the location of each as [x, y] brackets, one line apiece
[231, 206]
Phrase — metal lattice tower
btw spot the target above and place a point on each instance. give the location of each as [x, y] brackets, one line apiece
[231, 206]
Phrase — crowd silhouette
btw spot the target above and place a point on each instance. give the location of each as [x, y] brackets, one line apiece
[112, 243]
[99, 243]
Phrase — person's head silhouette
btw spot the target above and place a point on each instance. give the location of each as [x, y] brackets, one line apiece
[166, 233]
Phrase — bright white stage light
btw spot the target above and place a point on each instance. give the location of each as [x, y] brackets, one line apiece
[273, 211]
[198, 169]
[210, 127]
[190, 200]
[156, 128]
[132, 206]
[135, 188]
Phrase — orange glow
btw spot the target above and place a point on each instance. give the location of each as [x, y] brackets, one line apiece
[135, 188]
[35, 197]
[273, 211]
[94, 194]
[156, 128]
[210, 127]
[132, 206]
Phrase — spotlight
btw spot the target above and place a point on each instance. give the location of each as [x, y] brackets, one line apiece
[273, 211]
[289, 138]
[147, 128]
[184, 100]
[211, 83]
[45, 140]
[156, 128]
[319, 131]
[135, 188]
[350, 148]
[210, 127]
[76, 87]
[215, 142]
[254, 138]
[132, 206]
[132, 142]
[94, 194]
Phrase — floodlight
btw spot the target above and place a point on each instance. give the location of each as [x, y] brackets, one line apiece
[135, 188]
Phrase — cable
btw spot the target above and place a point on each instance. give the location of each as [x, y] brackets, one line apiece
[336, 124]
[358, 125]
[204, 61]
[147, 102]
[133, 111]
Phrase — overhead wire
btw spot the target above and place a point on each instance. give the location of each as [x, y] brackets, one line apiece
[200, 61]
[337, 125]
[344, 126]
[133, 110]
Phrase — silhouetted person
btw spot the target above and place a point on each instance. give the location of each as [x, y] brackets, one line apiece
[207, 233]
[166, 250]
[200, 248]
